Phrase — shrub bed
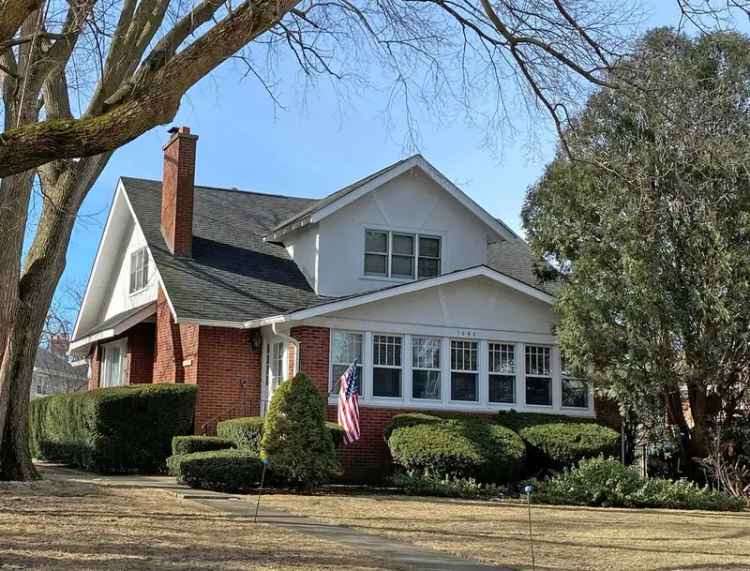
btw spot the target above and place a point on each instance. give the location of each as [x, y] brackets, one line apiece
[446, 486]
[247, 432]
[190, 444]
[113, 430]
[219, 470]
[517, 421]
[607, 483]
[409, 419]
[562, 444]
[461, 448]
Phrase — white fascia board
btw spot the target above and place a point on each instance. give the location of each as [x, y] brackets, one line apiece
[134, 319]
[97, 258]
[407, 288]
[156, 267]
[213, 323]
[440, 179]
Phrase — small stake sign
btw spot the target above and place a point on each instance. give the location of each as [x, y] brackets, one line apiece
[260, 490]
[527, 490]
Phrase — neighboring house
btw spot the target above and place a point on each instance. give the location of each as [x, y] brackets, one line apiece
[235, 291]
[53, 375]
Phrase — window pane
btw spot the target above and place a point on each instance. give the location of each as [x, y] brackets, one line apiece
[575, 393]
[386, 350]
[376, 241]
[426, 384]
[537, 360]
[337, 371]
[502, 388]
[429, 247]
[403, 244]
[346, 347]
[502, 358]
[376, 264]
[464, 355]
[402, 266]
[464, 386]
[426, 352]
[428, 268]
[538, 391]
[386, 382]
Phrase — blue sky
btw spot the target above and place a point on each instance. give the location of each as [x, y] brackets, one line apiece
[315, 148]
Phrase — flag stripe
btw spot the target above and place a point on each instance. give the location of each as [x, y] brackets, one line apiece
[348, 408]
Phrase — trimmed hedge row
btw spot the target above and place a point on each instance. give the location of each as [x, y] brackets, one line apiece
[221, 470]
[247, 432]
[468, 447]
[557, 445]
[113, 430]
[190, 444]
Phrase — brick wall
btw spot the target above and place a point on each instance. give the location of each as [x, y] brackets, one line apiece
[175, 349]
[140, 357]
[313, 354]
[228, 375]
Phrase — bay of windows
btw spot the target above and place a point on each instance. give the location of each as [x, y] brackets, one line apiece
[399, 255]
[439, 371]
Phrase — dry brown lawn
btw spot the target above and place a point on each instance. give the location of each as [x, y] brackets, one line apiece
[68, 525]
[565, 537]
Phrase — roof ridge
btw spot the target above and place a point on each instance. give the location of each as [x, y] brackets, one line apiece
[223, 189]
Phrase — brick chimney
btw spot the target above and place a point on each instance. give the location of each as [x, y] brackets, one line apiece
[59, 343]
[177, 189]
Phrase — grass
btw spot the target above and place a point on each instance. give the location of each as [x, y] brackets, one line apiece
[565, 537]
[66, 525]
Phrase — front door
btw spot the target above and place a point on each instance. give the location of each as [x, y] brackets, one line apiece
[274, 370]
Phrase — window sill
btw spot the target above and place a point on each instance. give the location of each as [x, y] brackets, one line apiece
[386, 279]
[136, 292]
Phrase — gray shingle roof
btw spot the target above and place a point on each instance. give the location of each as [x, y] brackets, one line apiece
[50, 364]
[233, 274]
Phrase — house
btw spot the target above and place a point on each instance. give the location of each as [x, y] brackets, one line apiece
[53, 375]
[234, 291]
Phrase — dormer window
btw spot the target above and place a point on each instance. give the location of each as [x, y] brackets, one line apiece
[138, 269]
[398, 255]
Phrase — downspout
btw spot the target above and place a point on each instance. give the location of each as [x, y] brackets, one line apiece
[289, 339]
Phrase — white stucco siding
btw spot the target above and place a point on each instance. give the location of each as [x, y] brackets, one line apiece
[302, 247]
[478, 304]
[120, 299]
[410, 203]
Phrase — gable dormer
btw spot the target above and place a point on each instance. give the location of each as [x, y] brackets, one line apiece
[403, 223]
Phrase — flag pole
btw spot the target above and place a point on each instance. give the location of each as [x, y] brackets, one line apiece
[260, 490]
[528, 489]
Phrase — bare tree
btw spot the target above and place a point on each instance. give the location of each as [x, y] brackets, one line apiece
[80, 78]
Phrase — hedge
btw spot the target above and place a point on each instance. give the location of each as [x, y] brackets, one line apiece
[468, 447]
[113, 430]
[190, 444]
[517, 421]
[220, 470]
[409, 419]
[562, 444]
[246, 432]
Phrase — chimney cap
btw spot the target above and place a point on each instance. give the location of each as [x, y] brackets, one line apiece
[179, 130]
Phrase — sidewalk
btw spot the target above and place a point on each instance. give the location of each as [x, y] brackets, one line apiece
[401, 556]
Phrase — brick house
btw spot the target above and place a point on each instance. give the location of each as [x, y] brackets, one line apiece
[235, 291]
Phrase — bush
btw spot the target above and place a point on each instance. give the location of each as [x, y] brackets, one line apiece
[445, 487]
[561, 444]
[296, 441]
[607, 483]
[409, 419]
[113, 430]
[463, 448]
[190, 444]
[220, 470]
[247, 432]
[517, 421]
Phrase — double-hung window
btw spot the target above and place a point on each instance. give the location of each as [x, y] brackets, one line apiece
[502, 372]
[538, 375]
[425, 382]
[112, 363]
[464, 370]
[575, 390]
[386, 366]
[401, 255]
[346, 348]
[138, 269]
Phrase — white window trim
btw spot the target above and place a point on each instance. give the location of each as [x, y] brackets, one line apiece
[513, 374]
[407, 401]
[389, 254]
[363, 350]
[477, 371]
[413, 368]
[147, 258]
[553, 378]
[372, 367]
[104, 378]
[589, 390]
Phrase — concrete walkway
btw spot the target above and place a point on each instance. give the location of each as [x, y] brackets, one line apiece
[399, 555]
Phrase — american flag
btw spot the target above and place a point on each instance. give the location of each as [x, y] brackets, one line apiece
[349, 404]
